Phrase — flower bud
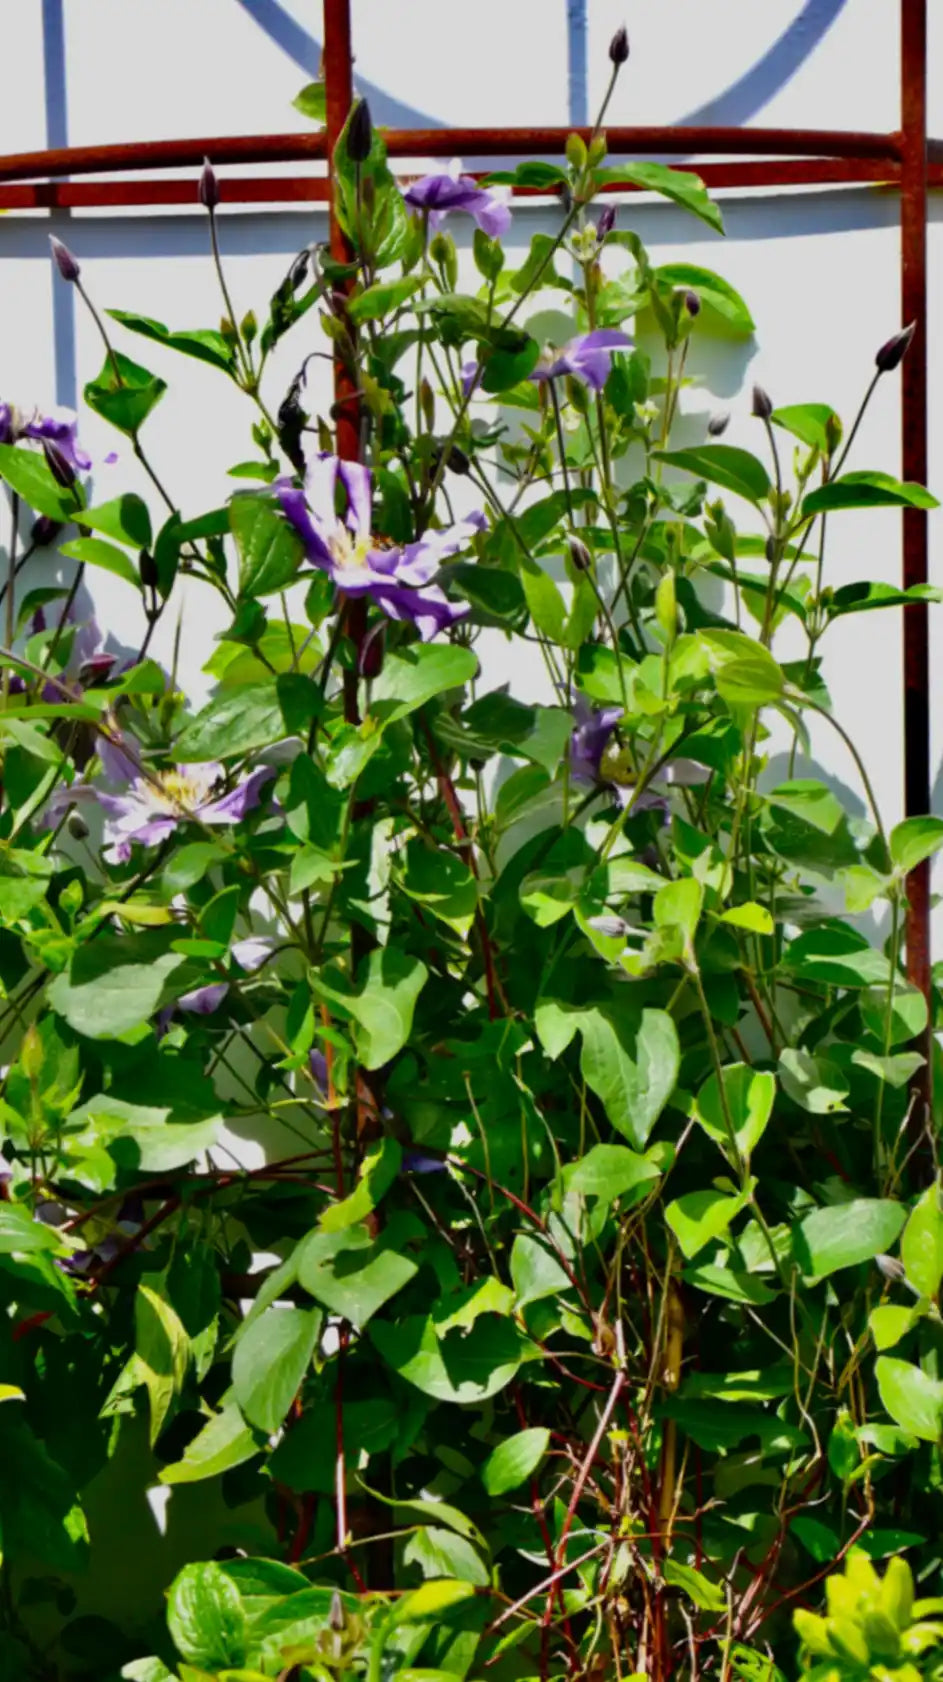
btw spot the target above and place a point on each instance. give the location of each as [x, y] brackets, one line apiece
[31, 1053]
[65, 262]
[359, 133]
[579, 554]
[427, 404]
[619, 46]
[717, 425]
[606, 223]
[370, 663]
[336, 1617]
[59, 465]
[44, 532]
[770, 548]
[692, 303]
[77, 827]
[147, 569]
[457, 461]
[249, 326]
[762, 403]
[892, 1269]
[209, 186]
[891, 355]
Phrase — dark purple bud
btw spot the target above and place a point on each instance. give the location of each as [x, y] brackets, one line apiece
[457, 460]
[762, 403]
[359, 133]
[606, 223]
[371, 654]
[771, 549]
[147, 570]
[619, 46]
[65, 262]
[717, 425]
[209, 186]
[44, 532]
[891, 355]
[299, 268]
[417, 1162]
[38, 622]
[77, 827]
[579, 554]
[59, 465]
[692, 303]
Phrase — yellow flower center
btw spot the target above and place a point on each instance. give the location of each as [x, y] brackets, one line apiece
[179, 792]
[615, 766]
[348, 552]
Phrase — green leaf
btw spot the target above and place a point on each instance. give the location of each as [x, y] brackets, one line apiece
[235, 724]
[698, 1588]
[811, 423]
[390, 983]
[507, 366]
[912, 1399]
[312, 102]
[161, 1354]
[114, 983]
[889, 1323]
[868, 594]
[270, 1361]
[124, 393]
[748, 1097]
[725, 465]
[352, 1273]
[701, 1216]
[544, 601]
[21, 1235]
[715, 292]
[92, 551]
[633, 1070]
[845, 1234]
[681, 185]
[442, 883]
[28, 473]
[270, 550]
[515, 1460]
[155, 1138]
[382, 298]
[416, 675]
[677, 905]
[811, 801]
[225, 1441]
[745, 672]
[426, 1604]
[866, 490]
[535, 1270]
[755, 918]
[125, 518]
[205, 1617]
[921, 1248]
[377, 1172]
[813, 1083]
[609, 1172]
[205, 344]
[465, 1366]
[913, 841]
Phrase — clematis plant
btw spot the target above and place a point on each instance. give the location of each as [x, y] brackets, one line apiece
[452, 1106]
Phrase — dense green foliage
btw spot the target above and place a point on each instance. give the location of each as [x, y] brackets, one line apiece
[600, 1185]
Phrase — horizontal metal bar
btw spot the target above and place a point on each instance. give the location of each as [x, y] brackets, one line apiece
[511, 142]
[282, 189]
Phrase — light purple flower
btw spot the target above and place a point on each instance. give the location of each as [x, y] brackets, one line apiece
[398, 580]
[202, 1001]
[250, 954]
[586, 358]
[591, 736]
[153, 807]
[442, 191]
[60, 427]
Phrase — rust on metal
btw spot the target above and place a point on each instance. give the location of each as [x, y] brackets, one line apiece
[914, 466]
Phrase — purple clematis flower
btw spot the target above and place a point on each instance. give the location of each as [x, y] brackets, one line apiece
[596, 758]
[153, 807]
[59, 428]
[586, 358]
[439, 192]
[400, 581]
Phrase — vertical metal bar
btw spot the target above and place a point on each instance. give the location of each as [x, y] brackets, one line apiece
[913, 231]
[338, 83]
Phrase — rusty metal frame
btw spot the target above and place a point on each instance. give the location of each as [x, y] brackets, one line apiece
[751, 157]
